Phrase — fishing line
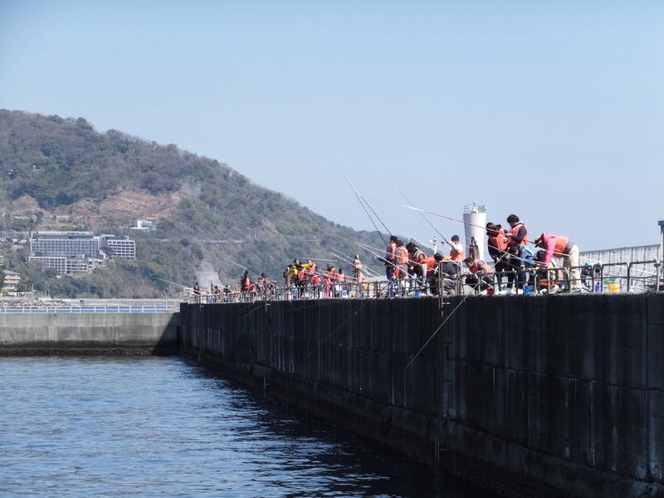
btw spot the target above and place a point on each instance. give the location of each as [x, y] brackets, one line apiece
[359, 198]
[376, 215]
[435, 332]
[423, 216]
[351, 261]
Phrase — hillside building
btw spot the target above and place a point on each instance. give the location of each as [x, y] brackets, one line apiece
[10, 283]
[143, 224]
[78, 252]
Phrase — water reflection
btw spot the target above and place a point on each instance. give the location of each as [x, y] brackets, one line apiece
[160, 426]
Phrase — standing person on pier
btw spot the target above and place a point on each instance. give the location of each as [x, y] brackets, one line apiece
[390, 264]
[517, 240]
[497, 245]
[456, 249]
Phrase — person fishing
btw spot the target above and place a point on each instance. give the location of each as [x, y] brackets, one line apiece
[390, 264]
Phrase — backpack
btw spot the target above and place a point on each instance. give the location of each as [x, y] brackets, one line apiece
[527, 257]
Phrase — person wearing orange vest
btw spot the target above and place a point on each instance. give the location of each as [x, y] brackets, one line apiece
[417, 262]
[517, 239]
[401, 260]
[559, 246]
[390, 264]
[497, 245]
[456, 251]
[315, 285]
[309, 269]
[482, 274]
[431, 265]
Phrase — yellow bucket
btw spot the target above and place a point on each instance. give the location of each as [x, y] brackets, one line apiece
[614, 287]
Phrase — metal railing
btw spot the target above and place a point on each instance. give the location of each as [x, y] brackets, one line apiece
[601, 278]
[87, 309]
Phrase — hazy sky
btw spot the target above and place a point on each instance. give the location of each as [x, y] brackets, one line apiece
[550, 110]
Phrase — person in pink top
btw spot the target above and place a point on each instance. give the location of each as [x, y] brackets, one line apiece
[559, 246]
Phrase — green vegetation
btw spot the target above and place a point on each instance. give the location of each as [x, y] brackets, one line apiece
[220, 216]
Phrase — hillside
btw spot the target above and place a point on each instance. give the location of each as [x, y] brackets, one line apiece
[61, 174]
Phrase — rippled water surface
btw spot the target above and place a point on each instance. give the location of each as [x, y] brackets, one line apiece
[163, 427]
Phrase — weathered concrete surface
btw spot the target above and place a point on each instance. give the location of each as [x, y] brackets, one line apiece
[89, 333]
[564, 391]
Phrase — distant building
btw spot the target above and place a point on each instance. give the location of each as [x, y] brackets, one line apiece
[10, 283]
[77, 252]
[120, 246]
[68, 244]
[142, 224]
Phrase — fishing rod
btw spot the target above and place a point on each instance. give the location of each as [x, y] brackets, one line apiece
[431, 212]
[236, 264]
[378, 255]
[366, 269]
[423, 216]
[359, 198]
[172, 283]
[378, 217]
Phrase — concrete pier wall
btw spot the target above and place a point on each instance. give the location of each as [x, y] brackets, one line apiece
[89, 333]
[561, 392]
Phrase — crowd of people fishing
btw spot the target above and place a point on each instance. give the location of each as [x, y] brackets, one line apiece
[517, 265]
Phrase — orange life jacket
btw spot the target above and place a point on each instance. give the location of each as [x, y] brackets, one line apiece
[391, 252]
[480, 266]
[515, 231]
[498, 241]
[401, 255]
[561, 244]
[431, 264]
[456, 255]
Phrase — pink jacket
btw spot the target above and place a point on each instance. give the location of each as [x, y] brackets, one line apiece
[554, 245]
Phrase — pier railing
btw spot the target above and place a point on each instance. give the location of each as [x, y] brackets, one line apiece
[644, 276]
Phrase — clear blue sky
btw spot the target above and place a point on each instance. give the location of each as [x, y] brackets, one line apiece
[550, 110]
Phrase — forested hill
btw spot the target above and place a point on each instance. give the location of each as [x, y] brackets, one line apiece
[61, 174]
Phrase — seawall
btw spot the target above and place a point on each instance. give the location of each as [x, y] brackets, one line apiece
[89, 333]
[559, 394]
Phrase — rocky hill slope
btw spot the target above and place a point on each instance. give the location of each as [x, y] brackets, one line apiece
[61, 174]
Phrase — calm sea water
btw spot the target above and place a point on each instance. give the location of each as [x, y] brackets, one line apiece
[163, 427]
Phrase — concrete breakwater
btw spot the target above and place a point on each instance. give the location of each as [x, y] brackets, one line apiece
[88, 333]
[562, 391]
